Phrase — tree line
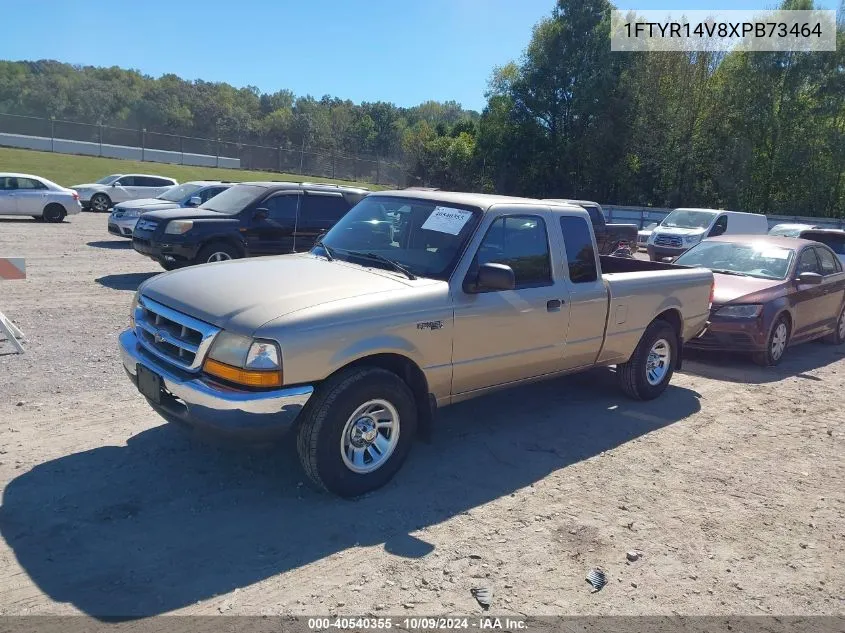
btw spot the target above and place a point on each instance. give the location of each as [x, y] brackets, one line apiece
[760, 132]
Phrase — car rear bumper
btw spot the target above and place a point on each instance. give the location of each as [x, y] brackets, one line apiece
[198, 402]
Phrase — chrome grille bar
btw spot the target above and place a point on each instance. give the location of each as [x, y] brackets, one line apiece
[171, 335]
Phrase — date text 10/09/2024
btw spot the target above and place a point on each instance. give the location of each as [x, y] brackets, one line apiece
[418, 623]
[722, 29]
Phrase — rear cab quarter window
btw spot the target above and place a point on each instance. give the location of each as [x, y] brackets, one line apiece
[580, 252]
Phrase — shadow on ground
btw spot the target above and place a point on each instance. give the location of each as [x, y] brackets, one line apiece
[731, 367]
[125, 281]
[112, 244]
[168, 520]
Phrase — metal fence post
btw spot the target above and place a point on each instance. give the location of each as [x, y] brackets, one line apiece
[181, 150]
[143, 142]
[218, 152]
[332, 163]
[100, 126]
[52, 134]
[302, 159]
[378, 175]
[280, 159]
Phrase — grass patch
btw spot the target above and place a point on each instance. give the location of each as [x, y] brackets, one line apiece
[69, 169]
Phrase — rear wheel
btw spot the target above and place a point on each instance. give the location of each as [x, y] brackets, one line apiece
[100, 203]
[776, 345]
[649, 370]
[54, 213]
[356, 431]
[837, 337]
[217, 252]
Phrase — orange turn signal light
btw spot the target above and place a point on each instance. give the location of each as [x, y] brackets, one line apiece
[246, 377]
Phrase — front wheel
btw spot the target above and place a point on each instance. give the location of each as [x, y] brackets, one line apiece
[649, 370]
[216, 252]
[775, 346]
[100, 203]
[356, 431]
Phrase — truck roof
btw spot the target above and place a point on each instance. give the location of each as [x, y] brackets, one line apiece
[481, 200]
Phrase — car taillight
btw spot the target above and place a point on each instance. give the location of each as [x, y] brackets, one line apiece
[712, 292]
[75, 195]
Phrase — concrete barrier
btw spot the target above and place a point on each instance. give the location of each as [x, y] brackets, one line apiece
[125, 152]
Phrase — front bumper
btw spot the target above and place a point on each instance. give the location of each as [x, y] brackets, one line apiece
[732, 335]
[658, 252]
[199, 402]
[122, 227]
[147, 245]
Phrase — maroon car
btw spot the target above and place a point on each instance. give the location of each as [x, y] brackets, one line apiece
[771, 292]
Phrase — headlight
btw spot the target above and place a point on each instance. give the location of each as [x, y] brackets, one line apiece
[245, 361]
[691, 239]
[132, 213]
[741, 311]
[177, 227]
[133, 307]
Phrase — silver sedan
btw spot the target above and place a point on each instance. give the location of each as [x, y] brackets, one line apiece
[25, 194]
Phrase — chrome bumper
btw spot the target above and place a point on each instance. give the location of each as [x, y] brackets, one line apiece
[197, 401]
[125, 226]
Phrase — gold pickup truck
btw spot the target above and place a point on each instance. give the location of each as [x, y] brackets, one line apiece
[414, 300]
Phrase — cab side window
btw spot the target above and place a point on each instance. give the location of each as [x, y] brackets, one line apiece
[830, 264]
[808, 262]
[521, 242]
[580, 254]
[720, 227]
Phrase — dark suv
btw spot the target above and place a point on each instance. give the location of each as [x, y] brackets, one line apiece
[249, 219]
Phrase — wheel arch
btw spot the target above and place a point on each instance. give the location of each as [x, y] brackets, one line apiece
[411, 374]
[673, 317]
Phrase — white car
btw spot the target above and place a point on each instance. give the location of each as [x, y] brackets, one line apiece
[643, 235]
[25, 194]
[791, 230]
[106, 192]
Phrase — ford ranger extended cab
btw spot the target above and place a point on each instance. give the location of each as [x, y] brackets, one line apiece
[414, 300]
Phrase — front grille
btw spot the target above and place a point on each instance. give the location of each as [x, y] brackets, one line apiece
[675, 241]
[173, 336]
[147, 225]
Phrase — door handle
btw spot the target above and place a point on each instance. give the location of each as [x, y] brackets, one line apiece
[553, 305]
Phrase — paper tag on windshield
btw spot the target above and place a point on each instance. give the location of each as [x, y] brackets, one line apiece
[447, 220]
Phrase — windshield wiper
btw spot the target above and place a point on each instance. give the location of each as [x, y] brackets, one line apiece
[381, 258]
[325, 247]
[730, 272]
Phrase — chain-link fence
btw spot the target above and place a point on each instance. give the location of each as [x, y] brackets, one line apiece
[71, 137]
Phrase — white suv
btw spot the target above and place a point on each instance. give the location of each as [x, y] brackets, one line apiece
[106, 192]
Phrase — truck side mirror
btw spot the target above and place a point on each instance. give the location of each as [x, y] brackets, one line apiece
[261, 213]
[494, 277]
[195, 201]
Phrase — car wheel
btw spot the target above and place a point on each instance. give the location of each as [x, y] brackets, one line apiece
[837, 337]
[217, 252]
[356, 431]
[168, 265]
[54, 213]
[100, 203]
[649, 370]
[776, 345]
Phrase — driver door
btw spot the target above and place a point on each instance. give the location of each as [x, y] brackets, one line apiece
[505, 336]
[122, 189]
[808, 300]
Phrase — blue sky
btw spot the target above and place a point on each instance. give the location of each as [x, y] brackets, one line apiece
[404, 51]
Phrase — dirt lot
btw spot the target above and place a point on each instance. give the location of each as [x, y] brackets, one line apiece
[732, 485]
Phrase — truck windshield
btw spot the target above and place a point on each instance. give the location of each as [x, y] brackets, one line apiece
[740, 258]
[688, 219]
[234, 200]
[179, 192]
[423, 237]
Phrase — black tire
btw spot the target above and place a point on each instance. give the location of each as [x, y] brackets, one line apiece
[634, 377]
[837, 337]
[326, 416]
[54, 213]
[100, 203]
[770, 357]
[168, 265]
[217, 249]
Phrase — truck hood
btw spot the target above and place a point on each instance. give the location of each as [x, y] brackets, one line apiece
[242, 295]
[147, 203]
[734, 289]
[188, 213]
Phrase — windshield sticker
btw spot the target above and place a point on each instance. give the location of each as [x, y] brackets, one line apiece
[775, 253]
[447, 220]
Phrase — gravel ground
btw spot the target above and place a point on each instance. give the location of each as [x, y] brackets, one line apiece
[731, 486]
